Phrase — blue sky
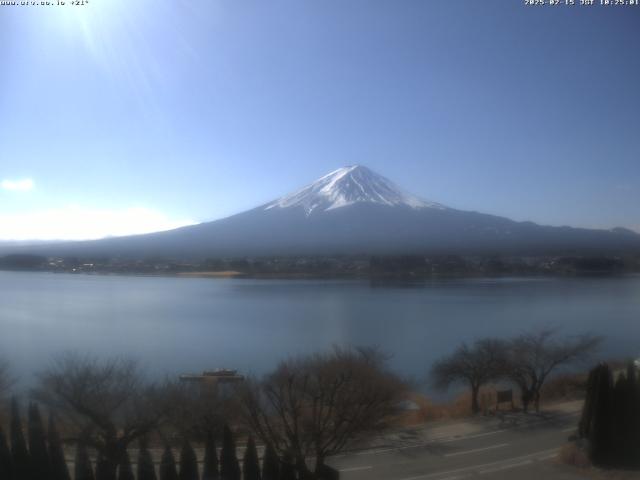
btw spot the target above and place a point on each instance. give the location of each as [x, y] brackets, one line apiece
[135, 115]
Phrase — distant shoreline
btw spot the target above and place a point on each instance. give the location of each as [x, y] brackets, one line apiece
[380, 267]
[402, 278]
[221, 274]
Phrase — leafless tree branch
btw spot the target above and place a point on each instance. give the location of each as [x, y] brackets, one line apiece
[315, 406]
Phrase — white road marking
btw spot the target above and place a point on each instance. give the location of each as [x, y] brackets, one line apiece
[506, 467]
[372, 452]
[476, 435]
[476, 467]
[547, 457]
[570, 429]
[431, 442]
[491, 447]
[356, 469]
[449, 439]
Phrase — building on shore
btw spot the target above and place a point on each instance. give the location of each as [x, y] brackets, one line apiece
[221, 381]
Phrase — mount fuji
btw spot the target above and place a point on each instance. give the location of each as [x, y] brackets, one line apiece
[348, 186]
[354, 210]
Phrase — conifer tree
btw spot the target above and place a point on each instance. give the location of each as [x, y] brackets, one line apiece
[211, 471]
[83, 469]
[270, 464]
[597, 423]
[229, 466]
[586, 419]
[6, 462]
[628, 419]
[633, 386]
[188, 462]
[601, 441]
[146, 470]
[611, 417]
[168, 469]
[59, 469]
[19, 451]
[38, 452]
[125, 471]
[632, 375]
[251, 465]
[287, 470]
[620, 410]
[103, 469]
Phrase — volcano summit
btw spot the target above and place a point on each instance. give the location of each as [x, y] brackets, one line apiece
[352, 211]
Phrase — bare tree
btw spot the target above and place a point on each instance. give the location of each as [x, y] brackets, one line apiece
[474, 365]
[5, 379]
[196, 411]
[533, 356]
[315, 406]
[6, 384]
[107, 401]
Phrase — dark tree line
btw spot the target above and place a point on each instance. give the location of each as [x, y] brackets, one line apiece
[107, 409]
[40, 455]
[611, 417]
[526, 360]
[106, 402]
[308, 409]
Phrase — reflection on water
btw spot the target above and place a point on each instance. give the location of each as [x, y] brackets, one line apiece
[178, 324]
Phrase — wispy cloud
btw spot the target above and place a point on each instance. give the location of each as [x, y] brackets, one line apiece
[22, 185]
[78, 223]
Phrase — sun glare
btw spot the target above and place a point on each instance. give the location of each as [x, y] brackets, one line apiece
[104, 27]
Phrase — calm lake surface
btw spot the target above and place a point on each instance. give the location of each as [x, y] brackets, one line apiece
[178, 325]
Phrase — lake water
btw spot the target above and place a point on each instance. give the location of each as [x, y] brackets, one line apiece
[178, 325]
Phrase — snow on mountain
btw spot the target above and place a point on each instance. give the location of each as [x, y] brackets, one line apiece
[351, 211]
[346, 186]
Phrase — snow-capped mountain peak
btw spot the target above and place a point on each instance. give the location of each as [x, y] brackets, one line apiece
[347, 186]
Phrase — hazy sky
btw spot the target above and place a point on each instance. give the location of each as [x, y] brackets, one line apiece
[134, 115]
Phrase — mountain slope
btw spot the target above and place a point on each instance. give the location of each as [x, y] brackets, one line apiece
[349, 186]
[355, 211]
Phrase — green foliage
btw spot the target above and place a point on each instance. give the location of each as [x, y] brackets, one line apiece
[83, 468]
[251, 465]
[125, 471]
[230, 468]
[6, 462]
[146, 470]
[211, 471]
[168, 469]
[270, 464]
[19, 451]
[59, 470]
[188, 462]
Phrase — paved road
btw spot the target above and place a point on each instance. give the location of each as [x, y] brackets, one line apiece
[521, 447]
